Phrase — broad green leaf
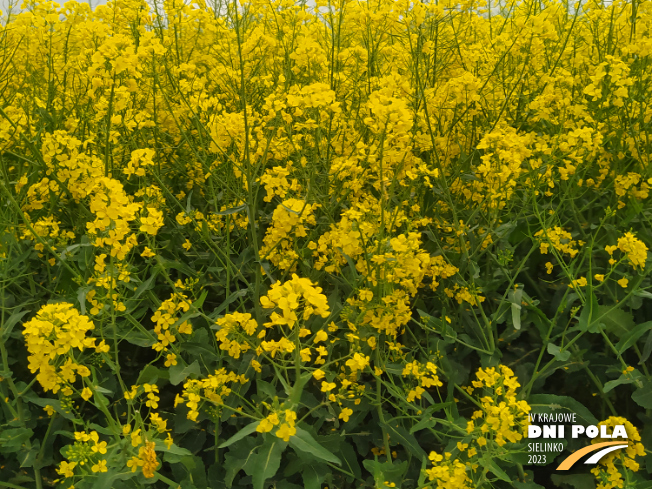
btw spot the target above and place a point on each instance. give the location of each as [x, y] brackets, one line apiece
[632, 336]
[55, 403]
[515, 297]
[174, 449]
[232, 210]
[232, 297]
[643, 395]
[425, 422]
[13, 439]
[10, 322]
[304, 442]
[246, 431]
[350, 459]
[647, 349]
[498, 472]
[236, 458]
[549, 403]
[388, 471]
[409, 442]
[526, 485]
[145, 286]
[557, 353]
[149, 375]
[623, 379]
[179, 373]
[575, 481]
[616, 321]
[266, 461]
[313, 475]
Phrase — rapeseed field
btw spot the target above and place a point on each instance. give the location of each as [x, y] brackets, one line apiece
[343, 244]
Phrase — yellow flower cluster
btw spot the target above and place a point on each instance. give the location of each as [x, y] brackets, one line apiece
[425, 375]
[288, 296]
[504, 419]
[288, 224]
[146, 459]
[51, 336]
[84, 453]
[607, 472]
[286, 426]
[165, 319]
[635, 249]
[447, 472]
[560, 240]
[232, 325]
[213, 388]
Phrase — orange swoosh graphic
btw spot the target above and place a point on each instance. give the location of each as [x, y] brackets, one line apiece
[575, 456]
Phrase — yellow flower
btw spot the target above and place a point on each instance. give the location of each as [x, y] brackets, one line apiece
[100, 466]
[327, 386]
[548, 268]
[168, 441]
[599, 277]
[170, 360]
[345, 414]
[623, 282]
[66, 469]
[147, 253]
[187, 245]
[321, 336]
[305, 355]
[264, 426]
[318, 374]
[286, 431]
[580, 282]
[86, 394]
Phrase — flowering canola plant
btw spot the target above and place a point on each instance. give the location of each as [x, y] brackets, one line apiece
[339, 243]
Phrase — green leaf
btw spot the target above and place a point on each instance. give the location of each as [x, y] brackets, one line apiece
[247, 430]
[265, 462]
[409, 442]
[426, 420]
[554, 350]
[623, 379]
[236, 458]
[8, 326]
[643, 395]
[232, 210]
[145, 286]
[615, 320]
[515, 297]
[12, 440]
[526, 485]
[55, 403]
[547, 403]
[313, 475]
[174, 449]
[632, 336]
[388, 471]
[148, 375]
[179, 373]
[576, 481]
[498, 472]
[350, 459]
[232, 297]
[647, 349]
[304, 442]
[140, 338]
